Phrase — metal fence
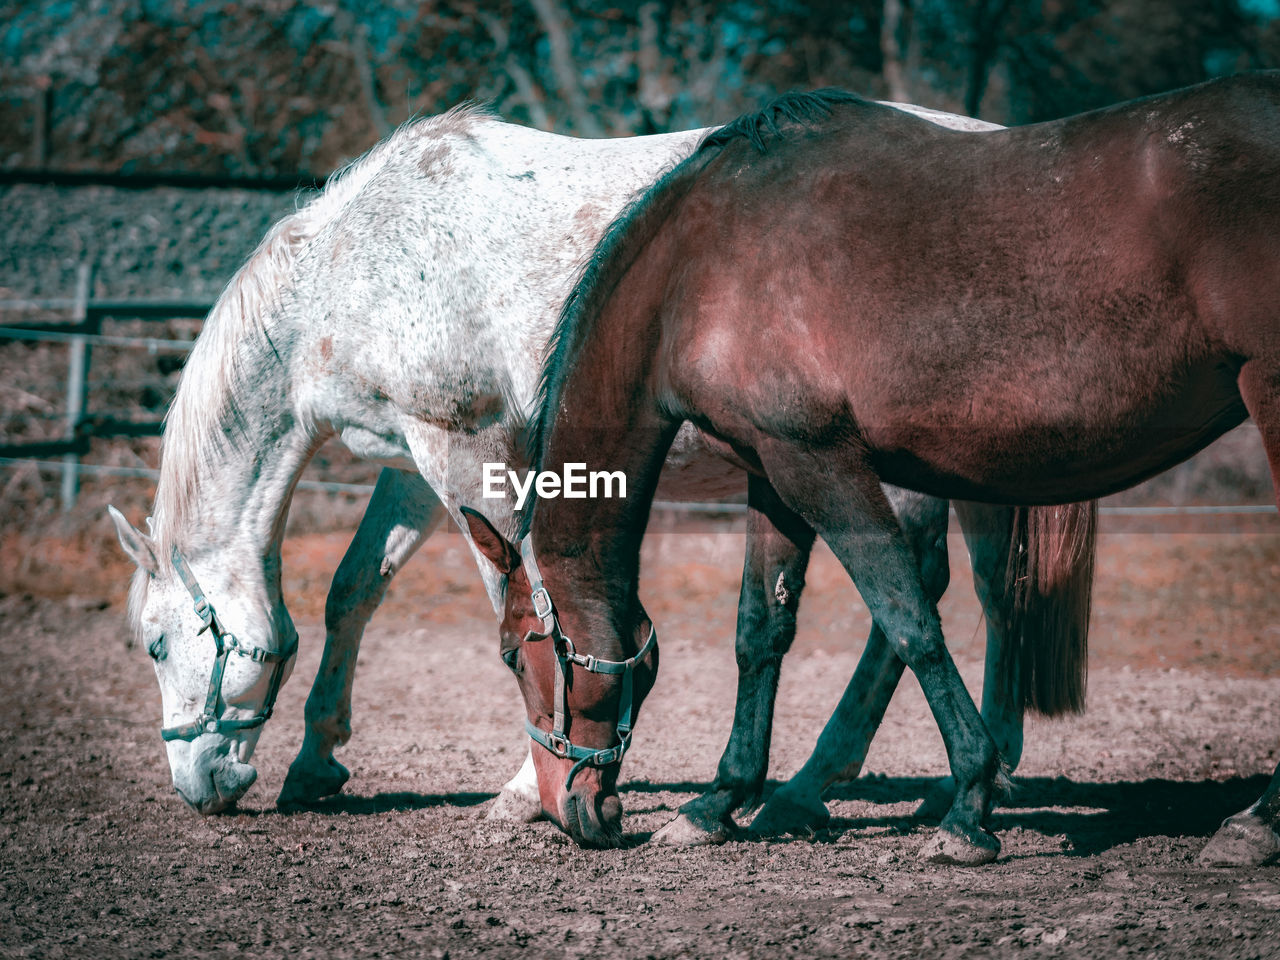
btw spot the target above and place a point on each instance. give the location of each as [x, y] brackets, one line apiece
[84, 332]
[81, 334]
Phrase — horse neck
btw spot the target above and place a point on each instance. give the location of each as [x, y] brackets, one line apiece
[232, 457]
[601, 403]
[608, 419]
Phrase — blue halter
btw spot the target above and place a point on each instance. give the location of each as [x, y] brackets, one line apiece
[556, 741]
[226, 643]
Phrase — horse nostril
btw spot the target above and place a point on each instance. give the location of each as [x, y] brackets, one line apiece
[611, 810]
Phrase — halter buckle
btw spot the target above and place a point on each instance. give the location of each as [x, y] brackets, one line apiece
[256, 654]
[204, 610]
[558, 745]
[224, 643]
[541, 603]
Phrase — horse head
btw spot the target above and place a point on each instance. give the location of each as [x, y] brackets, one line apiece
[580, 707]
[221, 651]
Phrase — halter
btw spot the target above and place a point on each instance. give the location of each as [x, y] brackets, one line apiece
[556, 741]
[226, 644]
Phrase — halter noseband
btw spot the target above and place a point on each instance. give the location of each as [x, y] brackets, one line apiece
[556, 741]
[226, 643]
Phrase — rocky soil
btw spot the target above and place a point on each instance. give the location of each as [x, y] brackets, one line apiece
[98, 857]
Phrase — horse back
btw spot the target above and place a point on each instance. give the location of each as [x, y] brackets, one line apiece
[930, 290]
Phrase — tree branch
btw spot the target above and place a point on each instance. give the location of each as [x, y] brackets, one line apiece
[655, 89]
[987, 21]
[565, 70]
[895, 77]
[526, 89]
[364, 70]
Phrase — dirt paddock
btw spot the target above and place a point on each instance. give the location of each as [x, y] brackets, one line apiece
[99, 858]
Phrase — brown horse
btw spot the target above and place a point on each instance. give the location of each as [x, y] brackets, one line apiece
[839, 295]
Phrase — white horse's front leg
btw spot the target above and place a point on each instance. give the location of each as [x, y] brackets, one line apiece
[446, 460]
[519, 798]
[401, 514]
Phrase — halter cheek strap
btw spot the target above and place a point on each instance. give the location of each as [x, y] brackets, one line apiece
[226, 644]
[556, 741]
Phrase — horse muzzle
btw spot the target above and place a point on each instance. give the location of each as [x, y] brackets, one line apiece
[213, 783]
[593, 819]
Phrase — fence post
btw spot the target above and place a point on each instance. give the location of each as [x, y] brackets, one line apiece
[77, 380]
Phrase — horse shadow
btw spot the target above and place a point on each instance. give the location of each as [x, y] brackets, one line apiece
[391, 802]
[1090, 817]
[1097, 816]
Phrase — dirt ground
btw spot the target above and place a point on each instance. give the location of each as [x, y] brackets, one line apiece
[99, 858]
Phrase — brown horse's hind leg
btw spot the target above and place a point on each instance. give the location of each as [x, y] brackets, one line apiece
[797, 806]
[778, 545]
[1252, 836]
[836, 492]
[988, 529]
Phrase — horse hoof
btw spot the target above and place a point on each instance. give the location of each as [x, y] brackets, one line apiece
[951, 848]
[937, 802]
[304, 785]
[686, 831]
[1244, 840]
[515, 807]
[782, 816]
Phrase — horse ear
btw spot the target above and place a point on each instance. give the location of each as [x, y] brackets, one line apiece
[139, 546]
[500, 551]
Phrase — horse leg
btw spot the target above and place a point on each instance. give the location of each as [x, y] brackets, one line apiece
[1252, 836]
[796, 806]
[401, 513]
[518, 800]
[987, 531]
[778, 545]
[837, 493]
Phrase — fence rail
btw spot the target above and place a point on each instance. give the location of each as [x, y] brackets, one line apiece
[81, 335]
[148, 181]
[146, 473]
[672, 506]
[84, 332]
[100, 309]
[60, 335]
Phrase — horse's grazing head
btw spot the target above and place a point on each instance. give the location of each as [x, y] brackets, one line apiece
[579, 795]
[213, 706]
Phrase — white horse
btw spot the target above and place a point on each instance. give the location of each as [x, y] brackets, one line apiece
[404, 310]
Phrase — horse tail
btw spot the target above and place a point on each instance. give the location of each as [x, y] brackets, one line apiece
[1049, 583]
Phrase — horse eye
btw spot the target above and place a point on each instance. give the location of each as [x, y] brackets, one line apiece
[155, 649]
[510, 658]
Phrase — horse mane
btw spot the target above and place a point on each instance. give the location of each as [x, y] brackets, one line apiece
[206, 411]
[599, 275]
[793, 109]
[217, 388]
[632, 229]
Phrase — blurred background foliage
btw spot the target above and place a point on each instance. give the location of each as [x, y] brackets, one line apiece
[279, 86]
[295, 88]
